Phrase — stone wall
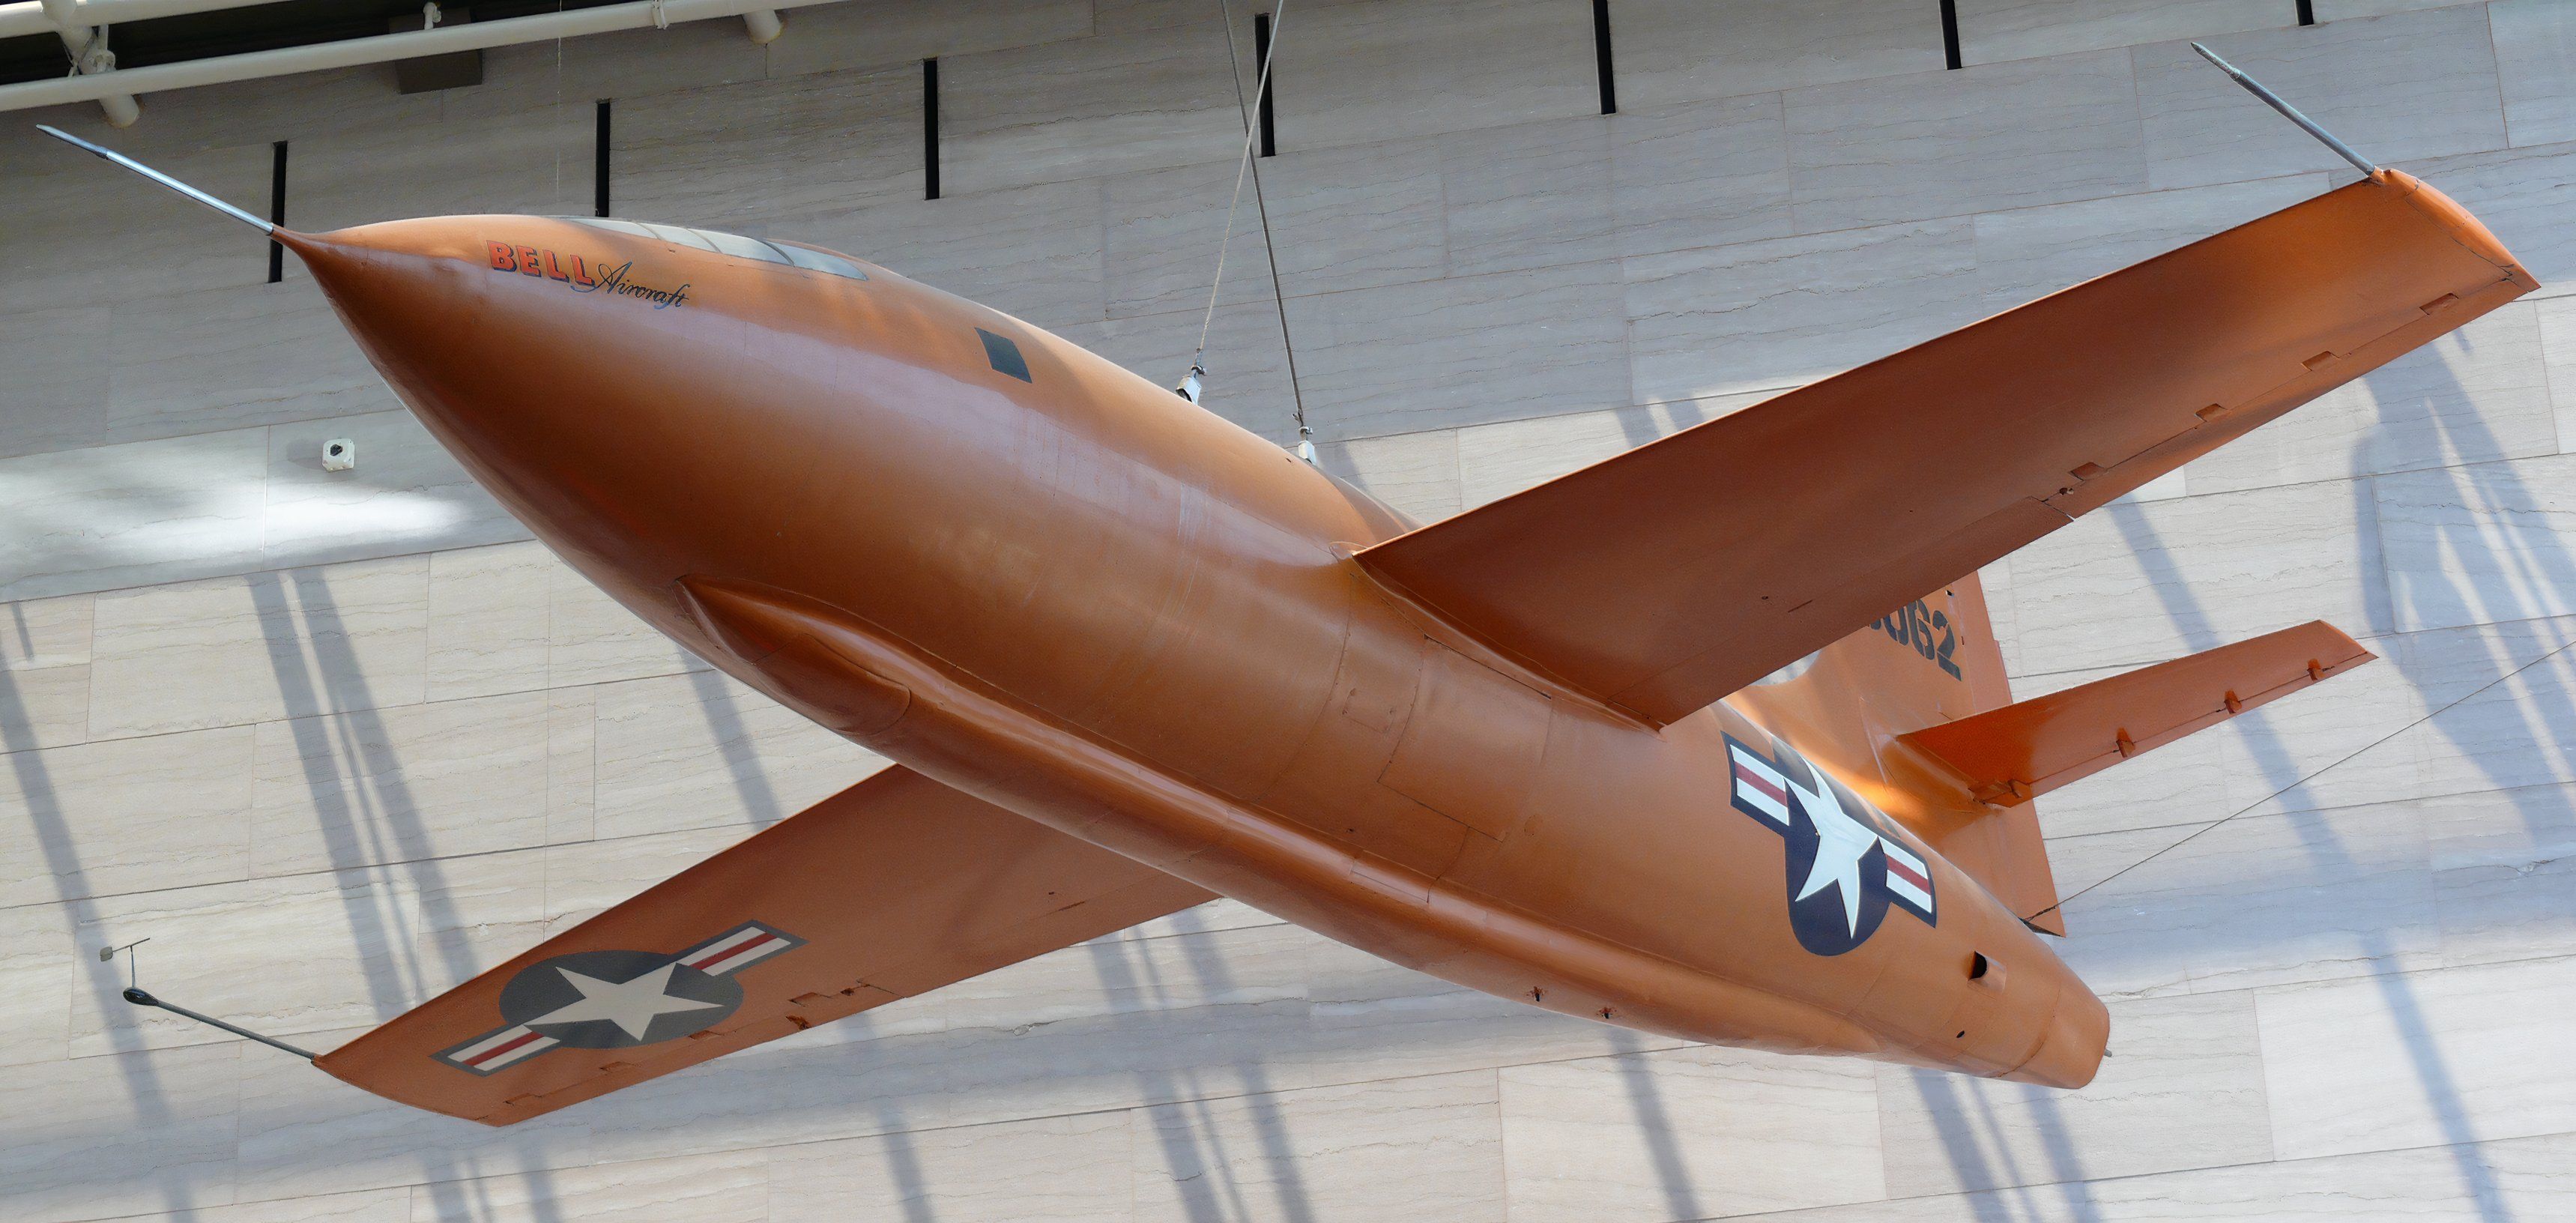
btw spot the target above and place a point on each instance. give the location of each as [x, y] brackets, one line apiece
[336, 741]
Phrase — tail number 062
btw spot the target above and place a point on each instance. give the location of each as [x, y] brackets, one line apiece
[1927, 630]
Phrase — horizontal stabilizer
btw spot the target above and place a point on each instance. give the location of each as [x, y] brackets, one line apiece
[893, 887]
[2028, 748]
[1668, 577]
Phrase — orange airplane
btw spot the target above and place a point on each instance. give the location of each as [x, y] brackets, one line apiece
[1645, 744]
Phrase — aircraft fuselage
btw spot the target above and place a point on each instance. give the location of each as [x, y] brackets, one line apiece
[1003, 561]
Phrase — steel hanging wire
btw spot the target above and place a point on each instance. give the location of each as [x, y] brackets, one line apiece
[1244, 168]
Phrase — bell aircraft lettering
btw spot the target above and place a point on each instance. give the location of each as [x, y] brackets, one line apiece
[1127, 656]
[575, 272]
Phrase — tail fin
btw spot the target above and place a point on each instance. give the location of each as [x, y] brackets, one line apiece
[2006, 756]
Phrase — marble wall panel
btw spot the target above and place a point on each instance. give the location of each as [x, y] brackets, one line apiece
[1501, 459]
[274, 644]
[571, 764]
[1369, 1020]
[2504, 866]
[303, 1134]
[1688, 1134]
[1244, 966]
[36, 634]
[1162, 238]
[407, 494]
[63, 203]
[840, 1080]
[831, 37]
[1419, 356]
[701, 750]
[2474, 396]
[2026, 253]
[1086, 106]
[2494, 1180]
[1417, 473]
[1357, 216]
[591, 639]
[1418, 1148]
[43, 707]
[2535, 45]
[1991, 30]
[2476, 544]
[2264, 900]
[2557, 318]
[1684, 50]
[1700, 174]
[487, 620]
[122, 515]
[104, 1136]
[2343, 10]
[2417, 1060]
[2411, 85]
[535, 77]
[1034, 252]
[2183, 1089]
[36, 946]
[1058, 1168]
[440, 779]
[2134, 584]
[476, 912]
[1945, 143]
[487, 153]
[1762, 315]
[1529, 195]
[1376, 69]
[279, 956]
[231, 357]
[583, 880]
[58, 377]
[733, 157]
[729, 1188]
[128, 815]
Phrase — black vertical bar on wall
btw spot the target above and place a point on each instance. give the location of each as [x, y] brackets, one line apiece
[1601, 55]
[2307, 12]
[1950, 31]
[930, 129]
[1261, 57]
[277, 210]
[599, 168]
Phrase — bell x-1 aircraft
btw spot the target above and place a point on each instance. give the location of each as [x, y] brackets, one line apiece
[1711, 739]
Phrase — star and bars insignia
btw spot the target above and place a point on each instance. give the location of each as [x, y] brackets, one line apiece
[1845, 869]
[614, 999]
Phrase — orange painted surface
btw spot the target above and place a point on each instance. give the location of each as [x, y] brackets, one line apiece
[1492, 749]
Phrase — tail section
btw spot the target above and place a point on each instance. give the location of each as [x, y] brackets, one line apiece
[2006, 756]
[2009, 755]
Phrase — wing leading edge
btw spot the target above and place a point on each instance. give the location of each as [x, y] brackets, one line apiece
[1668, 577]
[893, 887]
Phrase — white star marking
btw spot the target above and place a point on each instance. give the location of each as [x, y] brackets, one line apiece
[631, 1005]
[1841, 842]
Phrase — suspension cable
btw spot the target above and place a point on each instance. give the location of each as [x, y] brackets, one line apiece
[1245, 168]
[2071, 897]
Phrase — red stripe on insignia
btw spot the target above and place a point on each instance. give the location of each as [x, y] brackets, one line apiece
[1907, 873]
[1758, 782]
[489, 1054]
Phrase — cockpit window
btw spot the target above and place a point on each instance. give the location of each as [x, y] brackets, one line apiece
[812, 259]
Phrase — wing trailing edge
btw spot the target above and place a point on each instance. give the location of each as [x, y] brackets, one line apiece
[1664, 579]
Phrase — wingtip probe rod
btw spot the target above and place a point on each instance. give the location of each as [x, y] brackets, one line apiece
[2288, 111]
[165, 180]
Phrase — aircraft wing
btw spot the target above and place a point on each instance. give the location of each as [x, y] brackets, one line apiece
[893, 887]
[1662, 580]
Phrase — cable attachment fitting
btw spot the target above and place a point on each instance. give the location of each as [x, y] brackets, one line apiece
[1193, 386]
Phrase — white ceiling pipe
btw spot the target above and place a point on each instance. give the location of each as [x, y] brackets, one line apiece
[66, 18]
[763, 25]
[383, 48]
[28, 16]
